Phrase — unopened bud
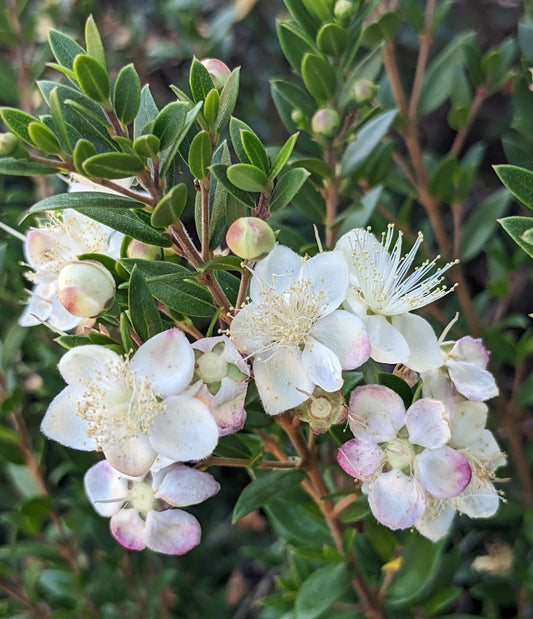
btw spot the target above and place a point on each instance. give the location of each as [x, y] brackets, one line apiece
[211, 367]
[343, 10]
[322, 410]
[250, 238]
[218, 70]
[8, 144]
[325, 122]
[298, 118]
[363, 90]
[85, 288]
[138, 249]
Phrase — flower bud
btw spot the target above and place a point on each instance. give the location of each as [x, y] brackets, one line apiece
[298, 118]
[250, 238]
[138, 249]
[85, 288]
[211, 367]
[322, 410]
[363, 91]
[218, 70]
[343, 10]
[8, 144]
[325, 122]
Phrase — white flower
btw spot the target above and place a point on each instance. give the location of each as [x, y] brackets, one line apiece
[132, 409]
[404, 456]
[51, 248]
[383, 294]
[479, 499]
[293, 329]
[140, 508]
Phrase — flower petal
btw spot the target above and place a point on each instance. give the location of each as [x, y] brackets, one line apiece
[328, 274]
[101, 484]
[182, 485]
[424, 349]
[345, 334]
[167, 361]
[485, 450]
[127, 528]
[243, 330]
[61, 423]
[172, 532]
[132, 456]
[60, 318]
[87, 363]
[277, 271]
[231, 354]
[185, 431]
[436, 384]
[468, 422]
[471, 350]
[437, 519]
[388, 345]
[227, 405]
[360, 459]
[322, 365]
[282, 381]
[473, 382]
[479, 500]
[375, 413]
[443, 472]
[396, 500]
[427, 423]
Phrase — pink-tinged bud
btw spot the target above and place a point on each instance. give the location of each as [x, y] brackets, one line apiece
[138, 249]
[363, 91]
[85, 288]
[343, 10]
[322, 410]
[8, 144]
[325, 122]
[218, 70]
[250, 238]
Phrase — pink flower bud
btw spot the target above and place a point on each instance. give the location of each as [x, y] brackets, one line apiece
[322, 410]
[325, 122]
[363, 90]
[85, 288]
[138, 249]
[250, 238]
[218, 70]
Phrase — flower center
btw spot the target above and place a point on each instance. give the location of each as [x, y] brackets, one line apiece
[142, 497]
[399, 454]
[118, 404]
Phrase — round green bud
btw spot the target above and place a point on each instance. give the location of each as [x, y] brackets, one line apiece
[250, 238]
[138, 249]
[299, 119]
[325, 122]
[85, 288]
[211, 367]
[8, 144]
[218, 70]
[343, 10]
[363, 91]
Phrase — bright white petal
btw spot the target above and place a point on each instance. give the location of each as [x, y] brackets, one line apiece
[127, 528]
[38, 306]
[167, 361]
[282, 381]
[172, 532]
[473, 382]
[443, 472]
[243, 330]
[427, 424]
[396, 500]
[479, 500]
[60, 318]
[471, 350]
[436, 384]
[424, 349]
[61, 423]
[101, 484]
[328, 273]
[132, 456]
[468, 422]
[388, 345]
[360, 459]
[485, 449]
[437, 519]
[345, 334]
[182, 485]
[87, 363]
[375, 413]
[322, 365]
[185, 431]
[278, 270]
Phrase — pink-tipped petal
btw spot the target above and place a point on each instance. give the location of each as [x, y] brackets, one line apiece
[61, 423]
[227, 405]
[359, 459]
[345, 334]
[167, 361]
[376, 413]
[182, 485]
[471, 350]
[185, 431]
[473, 382]
[424, 349]
[388, 344]
[396, 500]
[437, 519]
[322, 365]
[132, 456]
[427, 423]
[128, 528]
[444, 472]
[172, 532]
[102, 485]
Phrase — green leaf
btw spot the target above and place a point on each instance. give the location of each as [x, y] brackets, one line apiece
[255, 150]
[127, 222]
[287, 187]
[321, 589]
[56, 109]
[294, 43]
[147, 111]
[319, 9]
[169, 123]
[144, 314]
[295, 96]
[224, 263]
[219, 199]
[236, 127]
[332, 39]
[516, 227]
[147, 146]
[92, 78]
[358, 151]
[355, 511]
[127, 94]
[21, 167]
[219, 171]
[319, 77]
[306, 20]
[283, 156]
[82, 151]
[93, 41]
[170, 208]
[200, 155]
[81, 199]
[247, 177]
[211, 107]
[480, 226]
[18, 122]
[266, 487]
[69, 96]
[64, 48]
[200, 81]
[518, 181]
[173, 137]
[228, 99]
[113, 166]
[440, 184]
[398, 385]
[44, 138]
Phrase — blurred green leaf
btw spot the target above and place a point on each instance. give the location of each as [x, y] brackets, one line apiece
[319, 77]
[147, 113]
[21, 167]
[398, 385]
[332, 39]
[18, 122]
[355, 511]
[516, 227]
[321, 589]
[228, 99]
[294, 43]
[44, 138]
